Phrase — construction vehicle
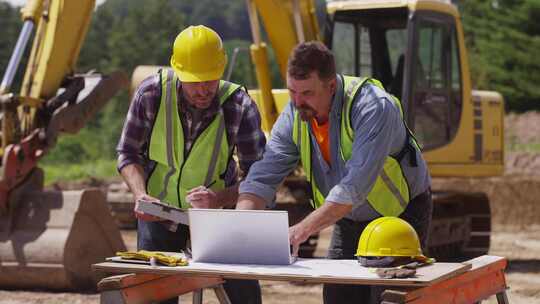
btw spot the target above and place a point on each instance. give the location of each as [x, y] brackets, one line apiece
[49, 239]
[416, 48]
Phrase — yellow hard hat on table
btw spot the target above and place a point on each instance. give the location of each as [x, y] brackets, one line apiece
[198, 55]
[389, 237]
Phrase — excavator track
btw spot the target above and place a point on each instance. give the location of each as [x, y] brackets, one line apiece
[461, 226]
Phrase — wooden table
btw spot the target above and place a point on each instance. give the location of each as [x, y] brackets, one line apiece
[466, 282]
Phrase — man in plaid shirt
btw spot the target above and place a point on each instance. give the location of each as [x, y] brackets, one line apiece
[178, 139]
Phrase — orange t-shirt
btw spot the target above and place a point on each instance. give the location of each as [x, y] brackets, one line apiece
[321, 135]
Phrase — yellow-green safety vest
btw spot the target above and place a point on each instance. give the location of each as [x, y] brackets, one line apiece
[175, 173]
[390, 194]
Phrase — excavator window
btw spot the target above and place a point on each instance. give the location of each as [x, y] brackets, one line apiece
[370, 43]
[436, 89]
[416, 58]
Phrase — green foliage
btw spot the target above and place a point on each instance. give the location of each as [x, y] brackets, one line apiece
[10, 29]
[122, 41]
[239, 65]
[11, 25]
[503, 39]
[528, 147]
[97, 168]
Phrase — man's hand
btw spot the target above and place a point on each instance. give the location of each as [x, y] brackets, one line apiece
[144, 199]
[326, 215]
[297, 235]
[202, 198]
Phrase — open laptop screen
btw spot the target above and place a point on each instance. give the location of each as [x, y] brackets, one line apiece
[240, 236]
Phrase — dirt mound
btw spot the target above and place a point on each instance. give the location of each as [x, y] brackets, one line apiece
[522, 128]
[522, 163]
[514, 199]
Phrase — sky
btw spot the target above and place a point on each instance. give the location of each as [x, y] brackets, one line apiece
[22, 2]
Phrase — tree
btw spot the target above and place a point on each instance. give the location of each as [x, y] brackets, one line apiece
[11, 25]
[141, 35]
[503, 39]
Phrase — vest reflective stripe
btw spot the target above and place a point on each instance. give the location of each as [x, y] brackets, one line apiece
[390, 193]
[176, 173]
[304, 146]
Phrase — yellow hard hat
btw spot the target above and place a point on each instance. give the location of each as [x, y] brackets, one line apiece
[389, 237]
[198, 55]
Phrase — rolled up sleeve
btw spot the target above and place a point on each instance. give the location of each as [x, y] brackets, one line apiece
[279, 159]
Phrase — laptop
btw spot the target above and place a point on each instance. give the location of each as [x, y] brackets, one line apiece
[240, 236]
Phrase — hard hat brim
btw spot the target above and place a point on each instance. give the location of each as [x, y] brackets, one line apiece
[199, 77]
[186, 76]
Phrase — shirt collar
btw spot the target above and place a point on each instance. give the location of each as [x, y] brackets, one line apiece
[337, 102]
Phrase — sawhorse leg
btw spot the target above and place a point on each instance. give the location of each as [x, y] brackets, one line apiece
[502, 298]
[485, 278]
[147, 288]
[220, 294]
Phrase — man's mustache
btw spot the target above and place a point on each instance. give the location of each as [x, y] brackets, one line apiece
[306, 108]
[201, 96]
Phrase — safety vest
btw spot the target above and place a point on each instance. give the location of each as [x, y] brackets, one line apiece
[176, 172]
[390, 194]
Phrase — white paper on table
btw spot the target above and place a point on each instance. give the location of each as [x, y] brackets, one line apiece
[302, 267]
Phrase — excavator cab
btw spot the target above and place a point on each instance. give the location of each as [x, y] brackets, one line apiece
[370, 44]
[415, 56]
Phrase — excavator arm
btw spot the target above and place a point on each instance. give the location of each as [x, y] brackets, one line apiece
[52, 98]
[287, 22]
[49, 239]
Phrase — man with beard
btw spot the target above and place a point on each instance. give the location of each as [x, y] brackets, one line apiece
[178, 141]
[359, 157]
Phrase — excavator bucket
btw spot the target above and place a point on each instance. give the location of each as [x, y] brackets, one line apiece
[50, 239]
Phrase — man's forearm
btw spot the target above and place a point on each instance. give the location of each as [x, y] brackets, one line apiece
[228, 196]
[133, 175]
[249, 201]
[326, 215]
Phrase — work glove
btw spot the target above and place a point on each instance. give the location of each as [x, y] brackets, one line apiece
[404, 271]
[153, 257]
[394, 272]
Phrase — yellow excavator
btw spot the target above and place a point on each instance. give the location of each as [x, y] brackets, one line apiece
[416, 48]
[49, 239]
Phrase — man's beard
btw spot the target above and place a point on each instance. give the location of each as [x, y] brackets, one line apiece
[306, 113]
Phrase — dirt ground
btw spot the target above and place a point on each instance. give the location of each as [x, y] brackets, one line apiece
[515, 203]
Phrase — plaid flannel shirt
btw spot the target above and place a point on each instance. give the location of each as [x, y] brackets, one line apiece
[242, 120]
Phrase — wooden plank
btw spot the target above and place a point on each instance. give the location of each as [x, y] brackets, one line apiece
[304, 270]
[149, 288]
[485, 278]
[125, 280]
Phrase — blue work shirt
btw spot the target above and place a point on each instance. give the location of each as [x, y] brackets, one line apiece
[379, 132]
